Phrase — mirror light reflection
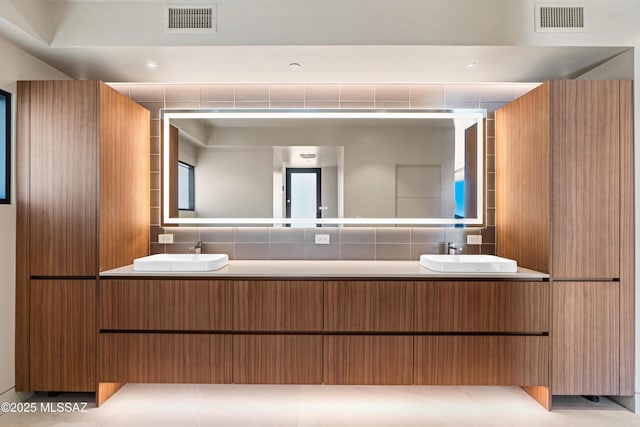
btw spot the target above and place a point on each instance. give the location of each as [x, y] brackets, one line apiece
[373, 167]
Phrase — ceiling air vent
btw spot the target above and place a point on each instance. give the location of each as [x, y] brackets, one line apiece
[190, 19]
[559, 19]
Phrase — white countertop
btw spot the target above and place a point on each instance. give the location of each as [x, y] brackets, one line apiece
[325, 269]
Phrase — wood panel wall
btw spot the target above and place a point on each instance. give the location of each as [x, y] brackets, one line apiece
[124, 180]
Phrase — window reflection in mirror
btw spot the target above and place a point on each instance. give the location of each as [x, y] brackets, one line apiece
[398, 167]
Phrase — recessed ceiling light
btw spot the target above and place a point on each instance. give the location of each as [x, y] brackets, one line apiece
[308, 156]
[295, 66]
[151, 65]
[472, 64]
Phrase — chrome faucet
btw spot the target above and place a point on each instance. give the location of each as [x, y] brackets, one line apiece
[197, 249]
[452, 249]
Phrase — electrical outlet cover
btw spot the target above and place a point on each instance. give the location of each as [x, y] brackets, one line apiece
[323, 239]
[474, 239]
[165, 238]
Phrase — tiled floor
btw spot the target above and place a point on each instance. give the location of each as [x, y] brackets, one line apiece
[269, 405]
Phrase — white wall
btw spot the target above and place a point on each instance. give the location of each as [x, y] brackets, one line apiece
[16, 65]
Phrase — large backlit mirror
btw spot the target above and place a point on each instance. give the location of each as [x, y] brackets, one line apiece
[322, 168]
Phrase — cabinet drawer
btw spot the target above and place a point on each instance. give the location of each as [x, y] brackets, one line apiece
[482, 307]
[360, 359]
[164, 305]
[277, 306]
[164, 358]
[368, 306]
[277, 359]
[482, 360]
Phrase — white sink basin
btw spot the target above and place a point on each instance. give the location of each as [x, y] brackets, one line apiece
[181, 262]
[468, 263]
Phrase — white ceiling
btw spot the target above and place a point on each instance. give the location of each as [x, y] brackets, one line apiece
[334, 40]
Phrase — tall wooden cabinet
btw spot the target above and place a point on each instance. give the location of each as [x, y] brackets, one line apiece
[564, 184]
[82, 201]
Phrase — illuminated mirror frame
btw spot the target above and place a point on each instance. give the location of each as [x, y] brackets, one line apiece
[478, 115]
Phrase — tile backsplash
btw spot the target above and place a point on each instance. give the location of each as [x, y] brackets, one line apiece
[346, 243]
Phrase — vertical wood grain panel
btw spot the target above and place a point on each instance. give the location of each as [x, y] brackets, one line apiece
[369, 306]
[62, 335]
[627, 250]
[165, 305]
[586, 178]
[471, 172]
[63, 180]
[368, 359]
[481, 360]
[277, 359]
[482, 307]
[165, 358]
[124, 180]
[523, 179]
[277, 305]
[585, 347]
[22, 172]
[173, 171]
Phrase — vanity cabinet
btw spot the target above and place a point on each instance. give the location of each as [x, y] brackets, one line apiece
[293, 331]
[564, 185]
[82, 169]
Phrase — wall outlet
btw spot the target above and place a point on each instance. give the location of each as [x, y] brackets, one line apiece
[474, 239]
[323, 239]
[165, 238]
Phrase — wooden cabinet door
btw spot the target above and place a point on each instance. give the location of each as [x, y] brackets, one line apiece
[360, 306]
[263, 305]
[63, 166]
[585, 154]
[277, 359]
[585, 338]
[62, 333]
[476, 306]
[368, 359]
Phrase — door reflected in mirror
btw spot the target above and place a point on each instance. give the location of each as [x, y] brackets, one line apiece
[357, 167]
